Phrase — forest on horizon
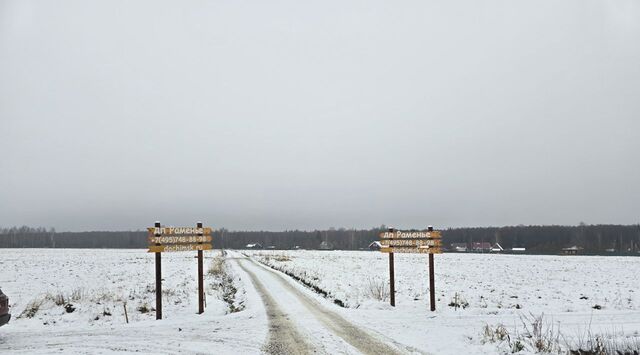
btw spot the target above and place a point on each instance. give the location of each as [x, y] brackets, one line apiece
[593, 239]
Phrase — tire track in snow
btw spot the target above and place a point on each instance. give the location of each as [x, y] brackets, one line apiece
[350, 333]
[283, 336]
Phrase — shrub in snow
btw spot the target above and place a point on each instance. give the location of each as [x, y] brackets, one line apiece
[225, 283]
[458, 302]
[217, 267]
[537, 335]
[499, 334]
[494, 334]
[31, 309]
[600, 344]
[77, 294]
[281, 258]
[378, 289]
[144, 308]
[59, 299]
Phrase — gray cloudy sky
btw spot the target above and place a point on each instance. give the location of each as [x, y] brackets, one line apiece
[309, 114]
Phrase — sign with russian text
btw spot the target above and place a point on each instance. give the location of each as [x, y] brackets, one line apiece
[179, 231]
[416, 250]
[178, 247]
[411, 242]
[174, 239]
[421, 242]
[411, 235]
[179, 239]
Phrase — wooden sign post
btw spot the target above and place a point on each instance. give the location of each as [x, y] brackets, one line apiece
[158, 279]
[200, 276]
[392, 282]
[423, 242]
[432, 281]
[174, 239]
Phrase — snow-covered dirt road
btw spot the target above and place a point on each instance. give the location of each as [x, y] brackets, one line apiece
[283, 335]
[300, 324]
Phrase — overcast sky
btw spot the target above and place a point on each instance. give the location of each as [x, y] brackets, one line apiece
[310, 114]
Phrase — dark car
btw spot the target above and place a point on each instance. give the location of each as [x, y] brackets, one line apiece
[4, 309]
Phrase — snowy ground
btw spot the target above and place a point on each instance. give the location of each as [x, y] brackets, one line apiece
[489, 283]
[96, 282]
[499, 289]
[494, 289]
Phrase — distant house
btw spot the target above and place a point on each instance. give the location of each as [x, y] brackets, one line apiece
[481, 246]
[572, 250]
[375, 246]
[297, 247]
[325, 246]
[610, 250]
[460, 247]
[497, 248]
[254, 246]
[518, 250]
[271, 247]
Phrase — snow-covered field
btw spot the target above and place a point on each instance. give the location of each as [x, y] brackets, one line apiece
[97, 283]
[576, 294]
[489, 283]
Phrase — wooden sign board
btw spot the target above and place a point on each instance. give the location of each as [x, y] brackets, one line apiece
[153, 231]
[179, 239]
[178, 247]
[409, 250]
[411, 235]
[411, 242]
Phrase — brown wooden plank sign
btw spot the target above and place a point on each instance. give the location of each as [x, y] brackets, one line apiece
[407, 250]
[179, 231]
[393, 234]
[412, 242]
[177, 239]
[418, 243]
[178, 247]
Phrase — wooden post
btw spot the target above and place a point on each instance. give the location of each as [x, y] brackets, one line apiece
[126, 316]
[432, 284]
[200, 279]
[432, 280]
[392, 281]
[158, 281]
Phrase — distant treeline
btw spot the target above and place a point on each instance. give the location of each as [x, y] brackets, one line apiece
[593, 239]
